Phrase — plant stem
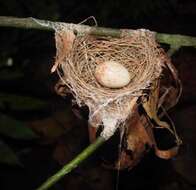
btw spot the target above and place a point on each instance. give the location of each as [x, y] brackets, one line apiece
[72, 164]
[31, 23]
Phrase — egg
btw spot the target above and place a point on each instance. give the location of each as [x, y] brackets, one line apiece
[112, 74]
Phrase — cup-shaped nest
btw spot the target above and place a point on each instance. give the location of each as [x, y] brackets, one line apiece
[79, 56]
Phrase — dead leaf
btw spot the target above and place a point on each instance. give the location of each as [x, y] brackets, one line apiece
[64, 42]
[151, 106]
[51, 128]
[138, 142]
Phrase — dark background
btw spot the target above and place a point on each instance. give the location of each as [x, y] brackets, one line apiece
[27, 95]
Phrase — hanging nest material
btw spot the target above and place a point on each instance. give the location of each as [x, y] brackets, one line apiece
[154, 84]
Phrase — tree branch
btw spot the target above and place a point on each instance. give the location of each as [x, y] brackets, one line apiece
[174, 40]
[72, 164]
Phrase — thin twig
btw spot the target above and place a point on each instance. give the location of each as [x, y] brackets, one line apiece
[72, 164]
[31, 23]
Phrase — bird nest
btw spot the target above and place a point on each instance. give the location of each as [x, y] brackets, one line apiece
[77, 59]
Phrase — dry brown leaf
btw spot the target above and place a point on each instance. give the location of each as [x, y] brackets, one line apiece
[138, 142]
[51, 128]
[64, 42]
[151, 106]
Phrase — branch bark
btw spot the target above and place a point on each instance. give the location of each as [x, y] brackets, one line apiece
[175, 40]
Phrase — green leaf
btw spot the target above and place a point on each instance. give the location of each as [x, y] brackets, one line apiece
[17, 102]
[10, 75]
[15, 129]
[7, 156]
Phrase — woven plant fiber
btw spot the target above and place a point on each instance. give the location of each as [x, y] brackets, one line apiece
[79, 55]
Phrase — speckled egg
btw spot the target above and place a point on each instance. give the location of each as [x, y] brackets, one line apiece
[112, 74]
